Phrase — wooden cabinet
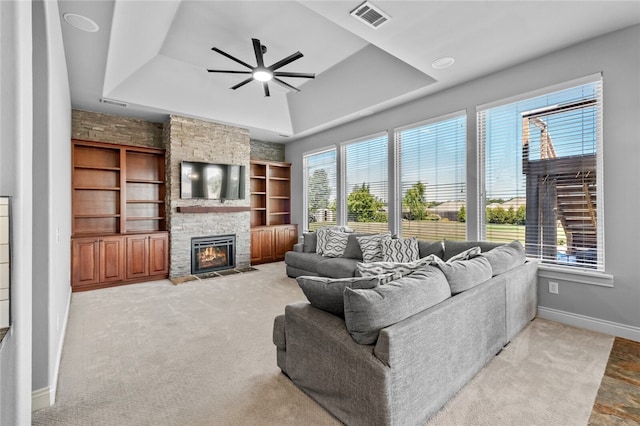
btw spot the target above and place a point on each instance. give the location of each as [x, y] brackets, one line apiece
[147, 255]
[270, 243]
[97, 261]
[272, 233]
[285, 238]
[118, 207]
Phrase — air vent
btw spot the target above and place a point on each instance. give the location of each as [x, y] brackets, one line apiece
[113, 102]
[370, 14]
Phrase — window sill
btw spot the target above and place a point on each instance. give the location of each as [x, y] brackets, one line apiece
[576, 275]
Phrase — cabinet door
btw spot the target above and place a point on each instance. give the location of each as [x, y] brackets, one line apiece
[137, 256]
[285, 238]
[261, 245]
[111, 259]
[85, 267]
[158, 254]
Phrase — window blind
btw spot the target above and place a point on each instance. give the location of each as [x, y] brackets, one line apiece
[433, 178]
[542, 162]
[366, 184]
[320, 189]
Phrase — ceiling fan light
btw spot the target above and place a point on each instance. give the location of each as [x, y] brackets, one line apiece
[262, 75]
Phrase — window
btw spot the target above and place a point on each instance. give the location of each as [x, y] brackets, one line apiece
[320, 189]
[366, 180]
[432, 179]
[542, 175]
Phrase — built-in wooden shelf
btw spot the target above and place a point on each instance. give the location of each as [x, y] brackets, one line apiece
[213, 209]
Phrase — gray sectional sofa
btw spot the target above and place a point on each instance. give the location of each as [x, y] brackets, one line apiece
[414, 365]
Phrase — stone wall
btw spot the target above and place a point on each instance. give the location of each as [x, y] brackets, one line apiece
[93, 126]
[271, 151]
[188, 139]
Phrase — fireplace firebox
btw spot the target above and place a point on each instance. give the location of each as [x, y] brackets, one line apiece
[212, 253]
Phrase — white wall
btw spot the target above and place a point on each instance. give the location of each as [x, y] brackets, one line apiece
[617, 55]
[15, 180]
[52, 200]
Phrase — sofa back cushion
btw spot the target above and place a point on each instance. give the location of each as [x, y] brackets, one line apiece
[368, 311]
[326, 293]
[452, 247]
[505, 257]
[353, 250]
[465, 274]
[310, 242]
[430, 247]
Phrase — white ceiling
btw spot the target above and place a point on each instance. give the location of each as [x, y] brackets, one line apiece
[153, 55]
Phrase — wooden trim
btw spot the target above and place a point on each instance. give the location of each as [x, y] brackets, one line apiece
[217, 209]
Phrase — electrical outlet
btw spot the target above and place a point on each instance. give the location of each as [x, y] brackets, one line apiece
[553, 287]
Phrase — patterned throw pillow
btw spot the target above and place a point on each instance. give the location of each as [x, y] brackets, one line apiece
[400, 250]
[336, 243]
[322, 236]
[465, 255]
[394, 270]
[371, 247]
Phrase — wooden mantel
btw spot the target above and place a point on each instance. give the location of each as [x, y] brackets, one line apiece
[213, 209]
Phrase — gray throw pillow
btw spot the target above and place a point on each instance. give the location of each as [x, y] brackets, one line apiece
[465, 274]
[400, 250]
[326, 293]
[366, 312]
[430, 247]
[310, 242]
[506, 257]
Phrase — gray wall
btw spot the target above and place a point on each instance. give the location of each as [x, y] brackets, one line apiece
[617, 56]
[15, 180]
[52, 199]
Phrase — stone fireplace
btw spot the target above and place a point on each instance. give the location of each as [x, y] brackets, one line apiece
[188, 139]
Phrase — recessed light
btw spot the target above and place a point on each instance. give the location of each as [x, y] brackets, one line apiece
[81, 22]
[442, 63]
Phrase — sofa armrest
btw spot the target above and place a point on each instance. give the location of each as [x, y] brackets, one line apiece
[327, 364]
[299, 247]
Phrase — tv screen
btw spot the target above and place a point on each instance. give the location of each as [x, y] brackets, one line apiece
[211, 181]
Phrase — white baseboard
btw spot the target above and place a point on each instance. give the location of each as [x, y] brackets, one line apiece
[46, 397]
[590, 323]
[41, 398]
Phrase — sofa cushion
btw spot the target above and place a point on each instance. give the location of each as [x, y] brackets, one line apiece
[369, 311]
[304, 261]
[465, 274]
[371, 246]
[326, 293]
[335, 243]
[451, 247]
[400, 249]
[353, 250]
[505, 257]
[310, 241]
[337, 267]
[465, 255]
[425, 248]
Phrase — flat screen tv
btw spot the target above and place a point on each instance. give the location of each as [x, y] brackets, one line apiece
[212, 181]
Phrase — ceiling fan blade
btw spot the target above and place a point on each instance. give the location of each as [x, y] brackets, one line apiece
[257, 48]
[282, 62]
[287, 85]
[294, 74]
[266, 89]
[231, 71]
[231, 57]
[242, 83]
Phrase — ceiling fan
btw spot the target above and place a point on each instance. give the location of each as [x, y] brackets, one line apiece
[263, 73]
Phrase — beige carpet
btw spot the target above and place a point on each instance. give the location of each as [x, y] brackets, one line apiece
[200, 353]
